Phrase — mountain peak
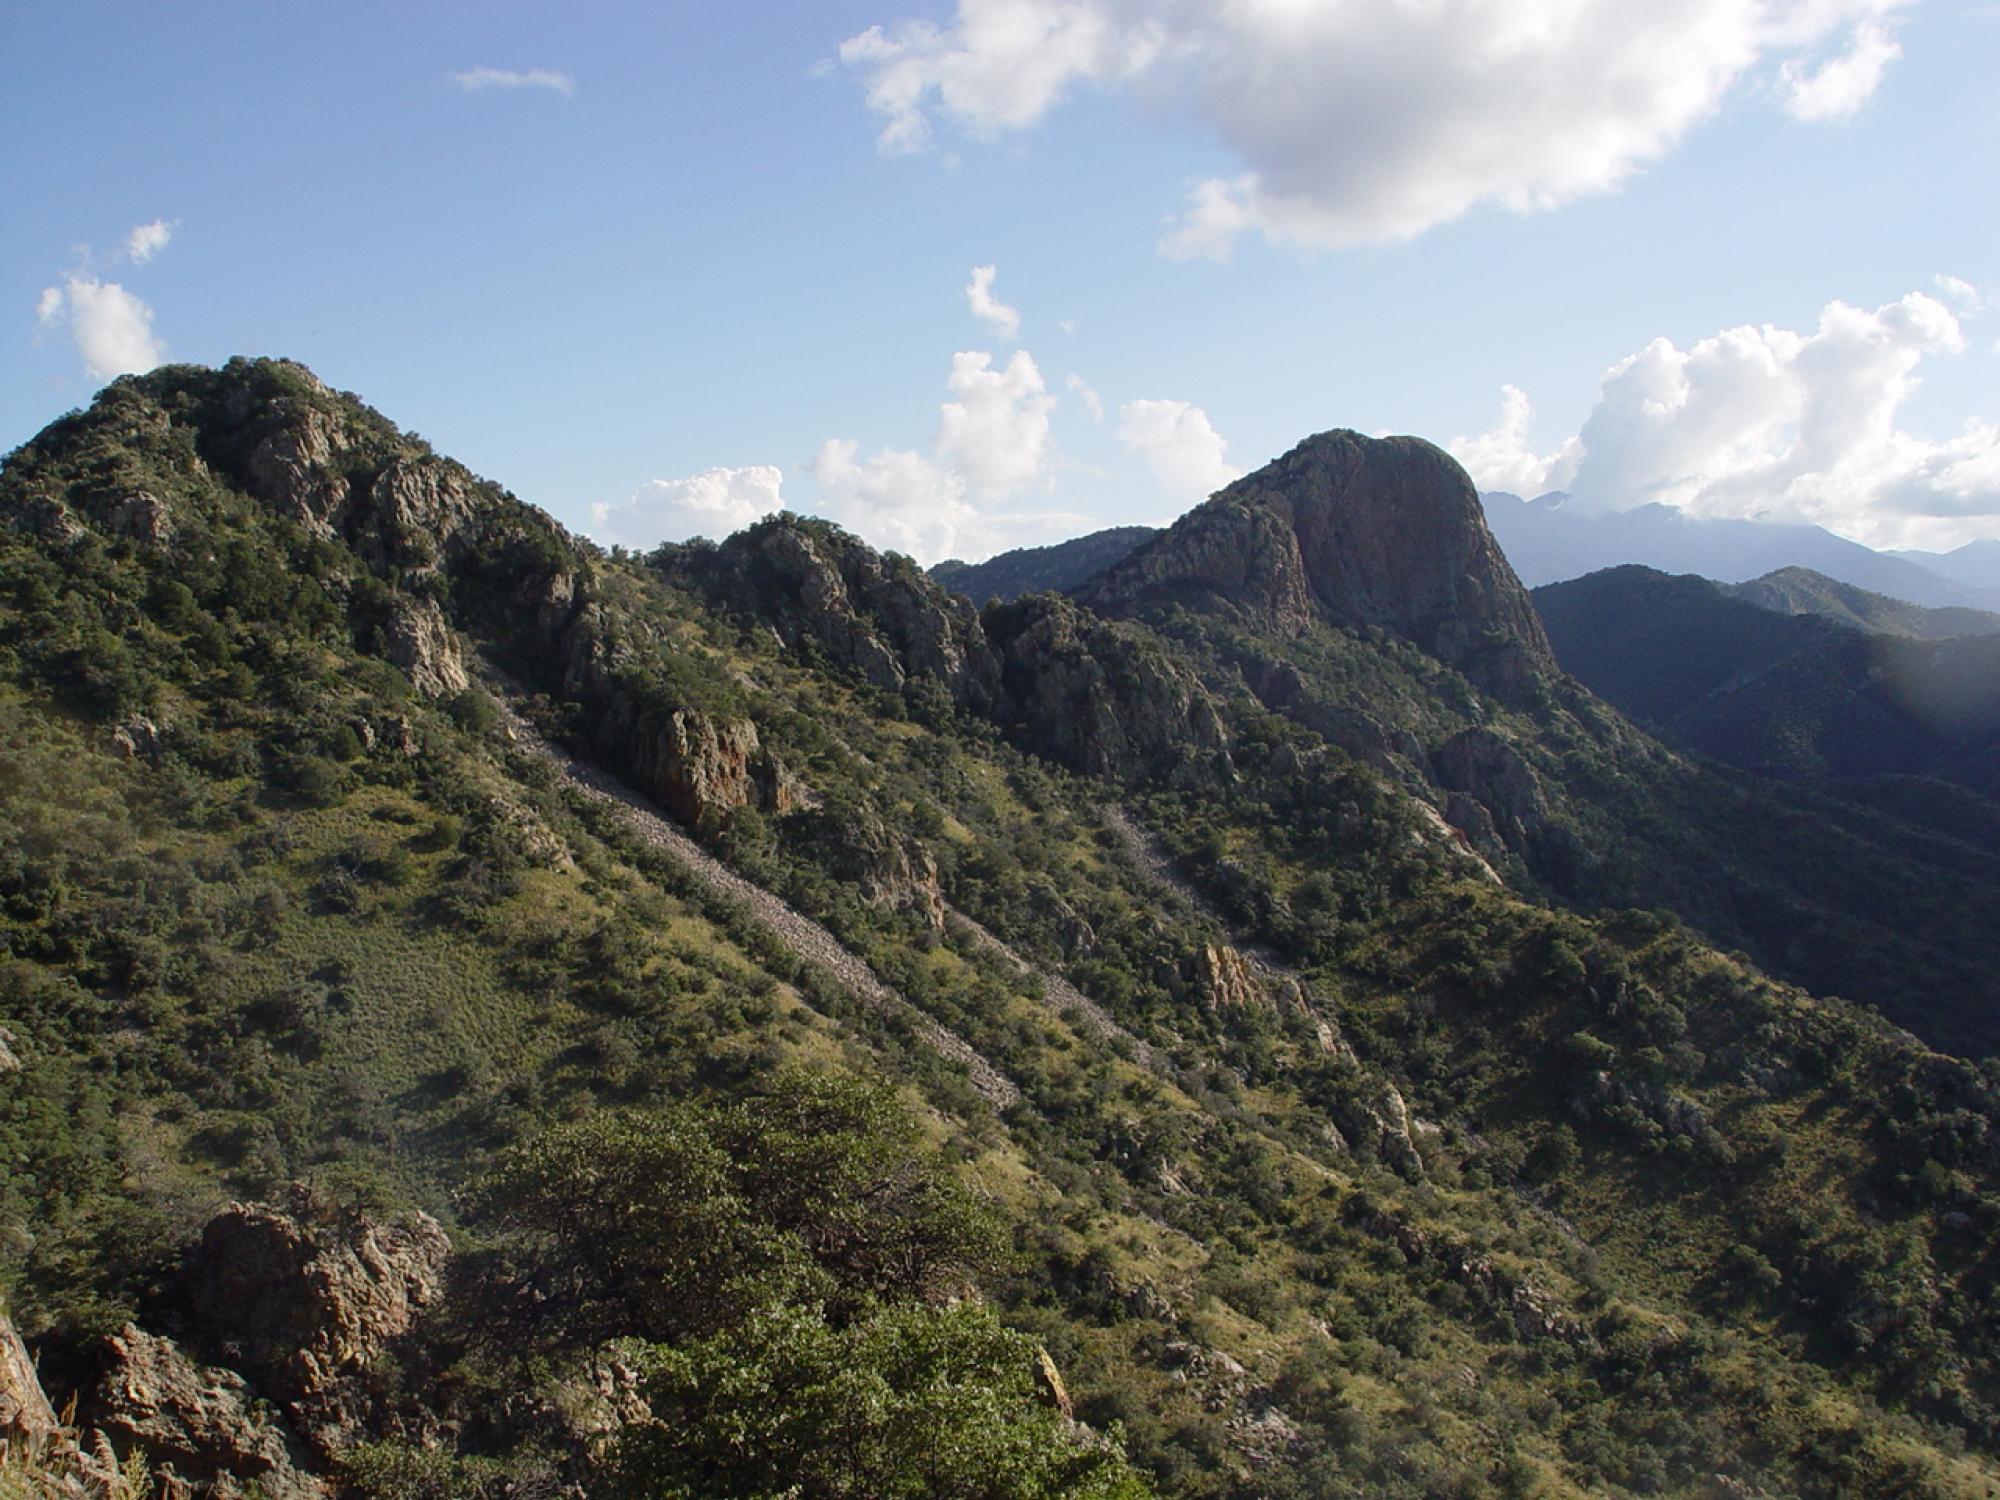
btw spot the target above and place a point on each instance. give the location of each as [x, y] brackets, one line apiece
[1355, 531]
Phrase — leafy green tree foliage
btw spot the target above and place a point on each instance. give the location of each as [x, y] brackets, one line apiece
[672, 1224]
[907, 1401]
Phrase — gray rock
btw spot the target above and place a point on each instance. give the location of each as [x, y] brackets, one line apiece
[418, 641]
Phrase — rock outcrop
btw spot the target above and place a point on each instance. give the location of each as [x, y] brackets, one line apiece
[1357, 531]
[25, 1414]
[875, 613]
[419, 642]
[1506, 801]
[203, 1423]
[1227, 980]
[303, 1301]
[1098, 696]
[890, 868]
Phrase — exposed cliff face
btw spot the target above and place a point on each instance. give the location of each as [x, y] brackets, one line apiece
[1358, 531]
[25, 1413]
[1495, 791]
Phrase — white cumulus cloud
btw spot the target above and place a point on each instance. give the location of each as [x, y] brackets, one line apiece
[147, 240]
[1963, 294]
[1355, 122]
[1005, 321]
[1179, 444]
[713, 504]
[1839, 87]
[1772, 422]
[996, 433]
[549, 80]
[1502, 459]
[991, 447]
[112, 329]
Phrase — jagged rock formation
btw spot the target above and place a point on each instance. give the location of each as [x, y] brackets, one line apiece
[1090, 693]
[1097, 696]
[700, 768]
[420, 643]
[890, 868]
[203, 1423]
[1226, 979]
[1357, 531]
[875, 614]
[302, 1301]
[1495, 793]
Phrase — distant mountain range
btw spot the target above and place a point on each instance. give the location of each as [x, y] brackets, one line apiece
[1801, 591]
[1547, 539]
[1031, 570]
[1795, 696]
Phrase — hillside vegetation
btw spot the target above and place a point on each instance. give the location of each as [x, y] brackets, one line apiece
[498, 1017]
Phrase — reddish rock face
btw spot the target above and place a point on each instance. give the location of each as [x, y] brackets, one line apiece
[1358, 531]
[25, 1413]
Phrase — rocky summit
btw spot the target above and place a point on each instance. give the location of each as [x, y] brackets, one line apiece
[1357, 531]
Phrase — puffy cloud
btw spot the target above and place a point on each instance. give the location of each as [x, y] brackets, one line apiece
[1005, 321]
[991, 445]
[1369, 122]
[999, 66]
[147, 240]
[1180, 445]
[112, 329]
[901, 499]
[996, 434]
[1092, 402]
[713, 503]
[480, 80]
[1839, 87]
[1502, 460]
[1766, 421]
[1967, 297]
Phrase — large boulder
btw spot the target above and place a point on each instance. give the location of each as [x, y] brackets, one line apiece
[418, 641]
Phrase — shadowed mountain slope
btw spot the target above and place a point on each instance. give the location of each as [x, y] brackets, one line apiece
[1790, 695]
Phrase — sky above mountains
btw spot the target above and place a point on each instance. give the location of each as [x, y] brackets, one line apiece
[979, 275]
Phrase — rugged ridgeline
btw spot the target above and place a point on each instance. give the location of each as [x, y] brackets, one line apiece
[1353, 531]
[1067, 1018]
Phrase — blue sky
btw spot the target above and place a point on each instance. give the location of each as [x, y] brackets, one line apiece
[660, 266]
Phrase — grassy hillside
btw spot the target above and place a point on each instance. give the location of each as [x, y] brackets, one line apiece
[1323, 1165]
